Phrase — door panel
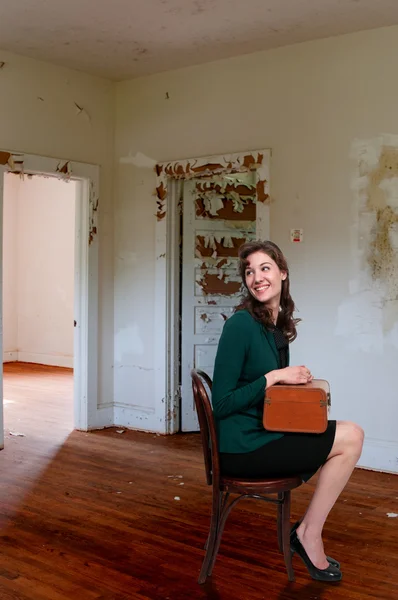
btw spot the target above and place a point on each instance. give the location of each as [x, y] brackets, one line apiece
[219, 214]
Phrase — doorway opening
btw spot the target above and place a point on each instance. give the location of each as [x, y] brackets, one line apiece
[84, 178]
[39, 215]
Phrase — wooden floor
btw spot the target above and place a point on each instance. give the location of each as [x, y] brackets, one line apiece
[96, 516]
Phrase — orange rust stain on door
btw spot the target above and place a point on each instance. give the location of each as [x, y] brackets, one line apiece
[161, 192]
[64, 169]
[249, 161]
[222, 262]
[227, 213]
[4, 158]
[262, 195]
[220, 249]
[212, 284]
[207, 167]
[161, 213]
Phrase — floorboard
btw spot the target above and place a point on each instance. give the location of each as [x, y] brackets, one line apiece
[95, 516]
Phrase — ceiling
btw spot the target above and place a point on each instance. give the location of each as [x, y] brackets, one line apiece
[123, 39]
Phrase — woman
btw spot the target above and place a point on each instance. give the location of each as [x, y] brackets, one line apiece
[248, 362]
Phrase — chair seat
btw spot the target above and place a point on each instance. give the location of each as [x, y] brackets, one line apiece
[265, 486]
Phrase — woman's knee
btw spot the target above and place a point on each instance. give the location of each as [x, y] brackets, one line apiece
[349, 439]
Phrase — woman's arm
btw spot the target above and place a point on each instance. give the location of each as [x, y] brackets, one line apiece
[227, 399]
[233, 346]
[273, 377]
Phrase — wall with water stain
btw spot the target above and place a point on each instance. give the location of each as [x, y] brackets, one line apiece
[309, 103]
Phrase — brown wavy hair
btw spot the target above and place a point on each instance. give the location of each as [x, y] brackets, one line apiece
[285, 322]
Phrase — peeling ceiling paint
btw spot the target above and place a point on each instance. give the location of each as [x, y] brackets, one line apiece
[122, 40]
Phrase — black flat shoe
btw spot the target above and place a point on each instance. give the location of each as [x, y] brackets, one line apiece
[331, 574]
[331, 561]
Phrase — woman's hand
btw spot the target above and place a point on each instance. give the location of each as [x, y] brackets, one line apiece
[289, 376]
[295, 375]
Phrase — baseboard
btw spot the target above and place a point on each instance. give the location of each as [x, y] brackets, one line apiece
[52, 360]
[10, 356]
[136, 417]
[102, 419]
[379, 455]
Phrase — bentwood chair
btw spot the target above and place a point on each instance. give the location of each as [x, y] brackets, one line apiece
[277, 491]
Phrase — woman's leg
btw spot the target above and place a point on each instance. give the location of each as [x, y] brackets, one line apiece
[333, 477]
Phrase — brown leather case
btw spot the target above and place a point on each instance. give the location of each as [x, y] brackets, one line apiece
[297, 408]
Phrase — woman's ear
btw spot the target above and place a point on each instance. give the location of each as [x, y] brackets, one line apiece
[284, 275]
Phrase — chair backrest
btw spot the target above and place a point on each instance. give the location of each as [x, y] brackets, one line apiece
[206, 424]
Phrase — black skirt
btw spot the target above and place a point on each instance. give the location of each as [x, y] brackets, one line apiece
[293, 454]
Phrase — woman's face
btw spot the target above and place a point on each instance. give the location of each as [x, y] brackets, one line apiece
[264, 278]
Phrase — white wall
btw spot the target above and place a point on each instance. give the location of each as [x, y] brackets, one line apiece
[38, 115]
[10, 268]
[135, 336]
[308, 103]
[43, 270]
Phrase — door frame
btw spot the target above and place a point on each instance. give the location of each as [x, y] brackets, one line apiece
[86, 414]
[167, 309]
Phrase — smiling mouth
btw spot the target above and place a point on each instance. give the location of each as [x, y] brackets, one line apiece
[261, 288]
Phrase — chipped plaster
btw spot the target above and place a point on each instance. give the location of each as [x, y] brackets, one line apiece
[209, 167]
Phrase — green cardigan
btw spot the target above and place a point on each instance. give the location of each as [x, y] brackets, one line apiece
[246, 352]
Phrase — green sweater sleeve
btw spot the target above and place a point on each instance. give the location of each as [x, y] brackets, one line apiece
[227, 399]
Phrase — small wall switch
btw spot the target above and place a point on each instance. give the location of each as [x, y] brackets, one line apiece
[296, 235]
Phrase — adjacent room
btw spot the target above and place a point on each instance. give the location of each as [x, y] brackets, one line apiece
[140, 147]
[38, 303]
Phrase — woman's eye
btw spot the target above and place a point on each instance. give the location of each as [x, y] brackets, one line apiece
[265, 269]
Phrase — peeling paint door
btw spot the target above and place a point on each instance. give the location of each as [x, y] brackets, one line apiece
[219, 214]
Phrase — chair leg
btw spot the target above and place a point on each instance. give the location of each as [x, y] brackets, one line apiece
[207, 541]
[218, 541]
[280, 521]
[223, 502]
[286, 535]
[212, 538]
